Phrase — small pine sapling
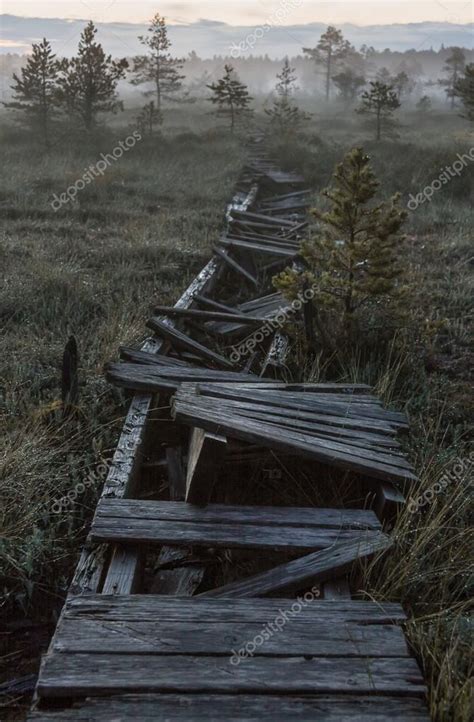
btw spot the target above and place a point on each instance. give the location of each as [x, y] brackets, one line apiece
[353, 263]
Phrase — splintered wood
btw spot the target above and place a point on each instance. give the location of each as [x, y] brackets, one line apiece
[347, 430]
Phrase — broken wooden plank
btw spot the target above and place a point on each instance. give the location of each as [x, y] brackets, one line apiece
[302, 572]
[193, 313]
[378, 466]
[227, 258]
[181, 340]
[260, 248]
[205, 459]
[155, 377]
[388, 502]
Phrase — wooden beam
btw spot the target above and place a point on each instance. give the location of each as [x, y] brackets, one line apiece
[300, 573]
[193, 313]
[205, 460]
[180, 340]
[388, 502]
[227, 258]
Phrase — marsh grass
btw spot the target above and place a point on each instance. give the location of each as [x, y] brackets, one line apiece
[94, 269]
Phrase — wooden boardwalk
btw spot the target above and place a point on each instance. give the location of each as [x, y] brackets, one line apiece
[152, 629]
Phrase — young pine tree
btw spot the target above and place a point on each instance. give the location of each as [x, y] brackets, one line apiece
[89, 81]
[380, 101]
[148, 118]
[231, 97]
[348, 83]
[464, 89]
[158, 66]
[284, 115]
[403, 84]
[454, 68]
[331, 49]
[424, 105]
[354, 264]
[36, 89]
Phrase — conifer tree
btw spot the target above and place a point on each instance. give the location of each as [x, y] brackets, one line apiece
[348, 83]
[354, 261]
[380, 101]
[158, 66]
[284, 114]
[36, 89]
[424, 105]
[331, 49]
[231, 97]
[464, 89]
[89, 81]
[403, 84]
[148, 118]
[454, 67]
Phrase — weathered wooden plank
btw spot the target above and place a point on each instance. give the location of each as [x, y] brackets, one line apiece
[120, 525]
[155, 377]
[143, 357]
[176, 576]
[388, 502]
[304, 421]
[302, 572]
[260, 248]
[231, 514]
[124, 571]
[294, 428]
[351, 406]
[208, 315]
[181, 340]
[241, 708]
[205, 459]
[308, 446]
[69, 675]
[227, 258]
[291, 638]
[217, 305]
[234, 610]
[337, 589]
[336, 420]
[251, 215]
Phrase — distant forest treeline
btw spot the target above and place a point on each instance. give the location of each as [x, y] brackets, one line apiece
[424, 67]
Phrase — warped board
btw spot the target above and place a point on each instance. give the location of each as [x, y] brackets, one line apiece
[230, 412]
[142, 522]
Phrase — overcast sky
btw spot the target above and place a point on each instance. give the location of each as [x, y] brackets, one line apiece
[249, 12]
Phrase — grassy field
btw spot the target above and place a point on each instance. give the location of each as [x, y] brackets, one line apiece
[136, 237]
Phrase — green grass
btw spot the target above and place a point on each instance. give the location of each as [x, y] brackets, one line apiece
[94, 269]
